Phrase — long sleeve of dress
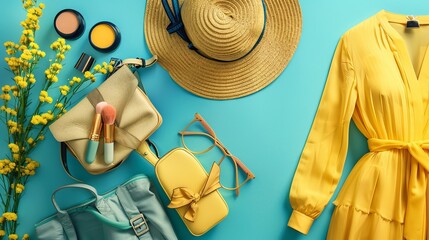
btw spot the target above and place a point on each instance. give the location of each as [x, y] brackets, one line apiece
[323, 157]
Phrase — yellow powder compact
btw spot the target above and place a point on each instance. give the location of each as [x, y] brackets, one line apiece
[69, 24]
[104, 36]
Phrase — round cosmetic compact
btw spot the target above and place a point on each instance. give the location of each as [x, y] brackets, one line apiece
[69, 24]
[104, 36]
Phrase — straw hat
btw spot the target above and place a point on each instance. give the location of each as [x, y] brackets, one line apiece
[223, 49]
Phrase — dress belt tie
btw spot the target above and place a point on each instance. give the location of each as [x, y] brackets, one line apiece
[414, 225]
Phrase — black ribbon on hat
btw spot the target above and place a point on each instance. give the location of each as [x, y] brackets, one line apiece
[176, 26]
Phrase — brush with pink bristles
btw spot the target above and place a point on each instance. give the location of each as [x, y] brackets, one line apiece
[109, 115]
[94, 135]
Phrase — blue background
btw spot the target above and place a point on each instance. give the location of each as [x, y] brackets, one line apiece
[267, 130]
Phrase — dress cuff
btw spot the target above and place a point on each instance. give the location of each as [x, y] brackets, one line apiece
[300, 222]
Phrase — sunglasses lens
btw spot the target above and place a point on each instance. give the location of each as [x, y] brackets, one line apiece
[204, 140]
[198, 143]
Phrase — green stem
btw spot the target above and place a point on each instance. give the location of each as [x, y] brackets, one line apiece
[8, 195]
[4, 189]
[6, 207]
[15, 208]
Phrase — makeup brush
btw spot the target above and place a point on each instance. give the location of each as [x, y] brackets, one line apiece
[94, 135]
[109, 114]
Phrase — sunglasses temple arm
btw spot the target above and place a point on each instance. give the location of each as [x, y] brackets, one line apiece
[237, 184]
[203, 122]
[250, 175]
[243, 167]
[186, 133]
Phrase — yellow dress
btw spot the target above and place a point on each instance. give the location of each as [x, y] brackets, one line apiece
[379, 77]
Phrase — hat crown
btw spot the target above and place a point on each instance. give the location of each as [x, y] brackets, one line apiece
[225, 30]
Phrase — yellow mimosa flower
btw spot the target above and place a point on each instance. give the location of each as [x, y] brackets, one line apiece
[13, 236]
[10, 216]
[13, 147]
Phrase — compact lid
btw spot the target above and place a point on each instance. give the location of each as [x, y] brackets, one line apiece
[69, 24]
[104, 36]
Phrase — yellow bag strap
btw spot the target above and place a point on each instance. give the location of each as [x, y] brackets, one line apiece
[146, 152]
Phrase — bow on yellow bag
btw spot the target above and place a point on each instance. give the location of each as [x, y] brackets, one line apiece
[192, 191]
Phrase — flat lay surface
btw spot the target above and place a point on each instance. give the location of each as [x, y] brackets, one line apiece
[266, 130]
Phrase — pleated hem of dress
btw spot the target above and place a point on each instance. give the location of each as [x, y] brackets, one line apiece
[338, 206]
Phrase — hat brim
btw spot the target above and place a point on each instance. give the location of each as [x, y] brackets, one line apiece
[227, 80]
